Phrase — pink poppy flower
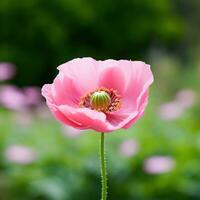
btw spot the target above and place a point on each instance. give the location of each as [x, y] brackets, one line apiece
[186, 98]
[170, 111]
[18, 99]
[159, 164]
[32, 95]
[99, 95]
[129, 148]
[43, 112]
[7, 71]
[12, 97]
[20, 154]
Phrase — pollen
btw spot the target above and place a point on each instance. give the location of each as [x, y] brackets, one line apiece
[102, 100]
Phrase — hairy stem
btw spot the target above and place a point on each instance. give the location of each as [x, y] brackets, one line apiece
[103, 169]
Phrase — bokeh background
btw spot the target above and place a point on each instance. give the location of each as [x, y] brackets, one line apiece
[158, 158]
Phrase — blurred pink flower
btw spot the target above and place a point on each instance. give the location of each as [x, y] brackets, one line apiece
[20, 154]
[70, 131]
[170, 111]
[186, 98]
[129, 147]
[159, 164]
[15, 98]
[43, 112]
[22, 118]
[12, 98]
[32, 95]
[99, 95]
[7, 71]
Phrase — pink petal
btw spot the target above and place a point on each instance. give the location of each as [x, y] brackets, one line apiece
[89, 119]
[63, 118]
[121, 119]
[141, 105]
[64, 91]
[84, 71]
[114, 74]
[140, 80]
[98, 121]
[116, 82]
[46, 92]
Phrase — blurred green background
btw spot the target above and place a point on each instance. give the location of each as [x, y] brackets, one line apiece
[158, 158]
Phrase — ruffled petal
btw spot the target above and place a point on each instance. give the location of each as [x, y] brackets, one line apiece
[121, 119]
[62, 118]
[141, 105]
[65, 90]
[84, 71]
[89, 119]
[114, 74]
[140, 80]
[135, 97]
[46, 92]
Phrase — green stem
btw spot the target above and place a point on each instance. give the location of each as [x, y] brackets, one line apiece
[103, 169]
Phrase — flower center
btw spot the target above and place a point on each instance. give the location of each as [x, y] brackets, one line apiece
[102, 100]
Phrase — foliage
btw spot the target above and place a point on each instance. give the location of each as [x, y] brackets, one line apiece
[68, 168]
[39, 35]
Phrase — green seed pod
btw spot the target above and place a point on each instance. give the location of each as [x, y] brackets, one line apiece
[100, 100]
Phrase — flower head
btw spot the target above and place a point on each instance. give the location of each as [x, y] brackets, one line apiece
[99, 95]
